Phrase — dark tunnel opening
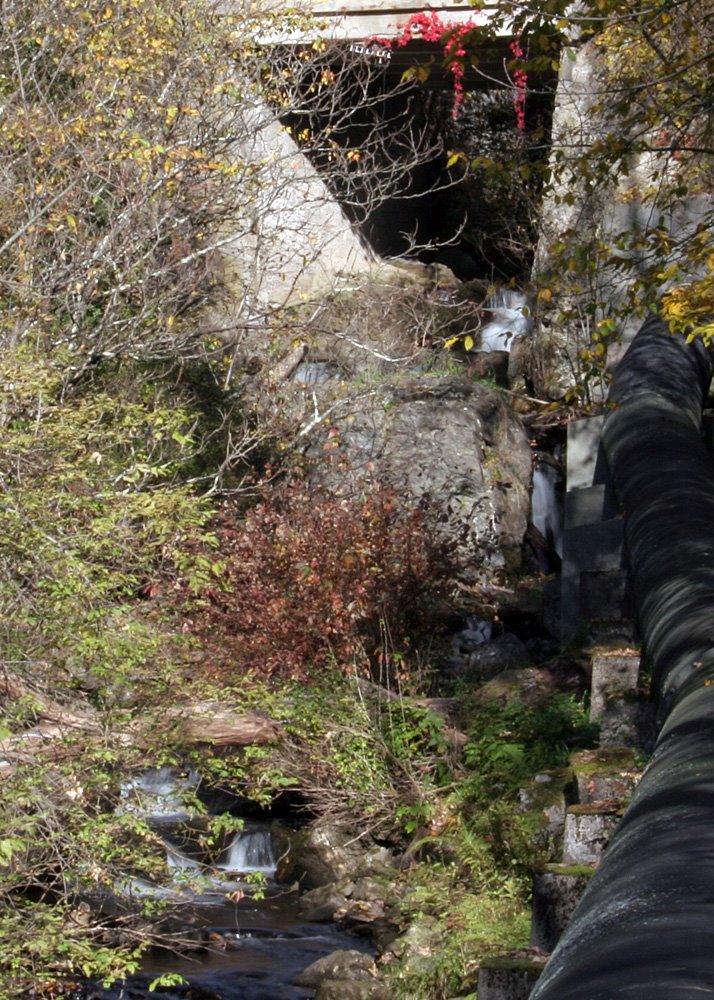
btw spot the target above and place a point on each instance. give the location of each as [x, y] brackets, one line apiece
[387, 149]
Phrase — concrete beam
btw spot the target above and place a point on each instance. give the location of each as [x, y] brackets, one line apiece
[360, 20]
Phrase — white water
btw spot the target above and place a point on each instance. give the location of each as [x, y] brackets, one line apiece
[251, 851]
[546, 510]
[510, 318]
[161, 791]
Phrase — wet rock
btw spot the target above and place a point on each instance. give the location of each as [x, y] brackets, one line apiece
[321, 904]
[343, 989]
[328, 854]
[346, 965]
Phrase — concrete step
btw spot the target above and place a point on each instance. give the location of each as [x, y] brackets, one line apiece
[608, 774]
[616, 697]
[587, 832]
[508, 978]
[589, 505]
[556, 892]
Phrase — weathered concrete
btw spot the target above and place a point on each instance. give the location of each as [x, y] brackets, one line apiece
[297, 242]
[357, 20]
[588, 829]
[605, 774]
[588, 505]
[585, 462]
[614, 675]
[556, 892]
[507, 979]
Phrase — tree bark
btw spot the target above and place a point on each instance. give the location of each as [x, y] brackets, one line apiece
[645, 927]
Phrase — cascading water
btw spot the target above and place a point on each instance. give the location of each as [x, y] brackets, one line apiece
[547, 508]
[251, 851]
[249, 946]
[161, 791]
[510, 318]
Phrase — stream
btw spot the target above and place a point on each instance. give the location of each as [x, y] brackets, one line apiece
[250, 948]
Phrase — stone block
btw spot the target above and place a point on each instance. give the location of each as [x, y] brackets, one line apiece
[614, 677]
[587, 833]
[621, 723]
[589, 548]
[593, 547]
[589, 505]
[556, 893]
[508, 978]
[605, 595]
[608, 774]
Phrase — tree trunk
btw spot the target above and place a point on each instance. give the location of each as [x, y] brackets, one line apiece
[645, 927]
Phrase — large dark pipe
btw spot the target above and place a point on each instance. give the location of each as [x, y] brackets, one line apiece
[644, 930]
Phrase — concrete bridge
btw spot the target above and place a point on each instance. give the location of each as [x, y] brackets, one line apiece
[355, 22]
[359, 19]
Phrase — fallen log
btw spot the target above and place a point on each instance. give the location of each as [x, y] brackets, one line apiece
[644, 928]
[54, 735]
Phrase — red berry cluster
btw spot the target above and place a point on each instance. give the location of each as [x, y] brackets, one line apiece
[520, 81]
[429, 27]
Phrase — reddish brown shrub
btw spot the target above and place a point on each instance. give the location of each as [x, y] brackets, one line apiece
[311, 578]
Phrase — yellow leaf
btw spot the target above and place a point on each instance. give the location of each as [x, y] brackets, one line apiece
[468, 343]
[71, 222]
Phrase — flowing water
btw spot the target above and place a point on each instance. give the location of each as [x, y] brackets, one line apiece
[247, 948]
[510, 318]
[547, 506]
[253, 951]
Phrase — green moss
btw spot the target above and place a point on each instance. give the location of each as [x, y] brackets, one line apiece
[604, 760]
[571, 871]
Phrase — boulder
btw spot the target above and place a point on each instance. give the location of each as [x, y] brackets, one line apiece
[345, 989]
[321, 904]
[446, 445]
[346, 965]
[323, 854]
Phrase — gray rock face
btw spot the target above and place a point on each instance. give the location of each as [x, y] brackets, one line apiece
[447, 445]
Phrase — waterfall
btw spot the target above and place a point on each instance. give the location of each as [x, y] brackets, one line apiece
[250, 851]
[510, 318]
[546, 506]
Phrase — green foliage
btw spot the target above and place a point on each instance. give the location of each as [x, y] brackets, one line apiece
[510, 742]
[118, 168]
[93, 511]
[64, 848]
[472, 920]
